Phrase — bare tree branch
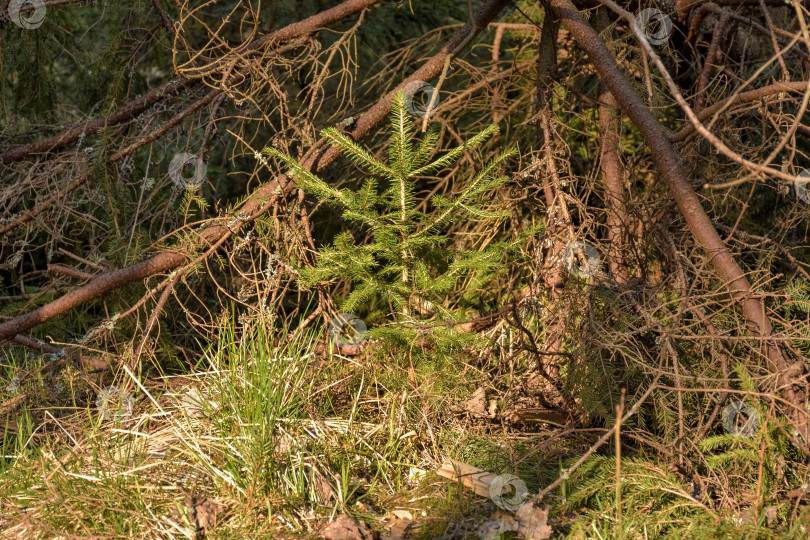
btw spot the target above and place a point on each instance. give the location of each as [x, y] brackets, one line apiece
[260, 200]
[668, 161]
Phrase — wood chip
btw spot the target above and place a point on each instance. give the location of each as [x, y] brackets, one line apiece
[472, 477]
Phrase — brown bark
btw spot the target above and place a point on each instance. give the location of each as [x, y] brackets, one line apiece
[613, 185]
[36, 344]
[617, 221]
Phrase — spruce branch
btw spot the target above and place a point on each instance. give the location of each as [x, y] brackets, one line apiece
[407, 260]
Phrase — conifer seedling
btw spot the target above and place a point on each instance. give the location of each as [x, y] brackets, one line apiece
[407, 260]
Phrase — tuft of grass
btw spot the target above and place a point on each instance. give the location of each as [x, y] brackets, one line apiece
[275, 437]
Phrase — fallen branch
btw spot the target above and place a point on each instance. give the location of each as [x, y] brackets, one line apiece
[88, 127]
[145, 101]
[259, 201]
[669, 165]
[742, 97]
[28, 215]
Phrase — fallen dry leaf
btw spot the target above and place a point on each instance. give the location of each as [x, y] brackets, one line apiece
[476, 404]
[193, 403]
[207, 512]
[284, 444]
[347, 528]
[533, 522]
[202, 512]
[493, 408]
[402, 514]
[399, 525]
[530, 522]
[770, 515]
[398, 529]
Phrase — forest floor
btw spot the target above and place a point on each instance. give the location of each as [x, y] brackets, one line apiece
[256, 442]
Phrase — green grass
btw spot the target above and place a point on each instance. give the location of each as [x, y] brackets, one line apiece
[280, 440]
